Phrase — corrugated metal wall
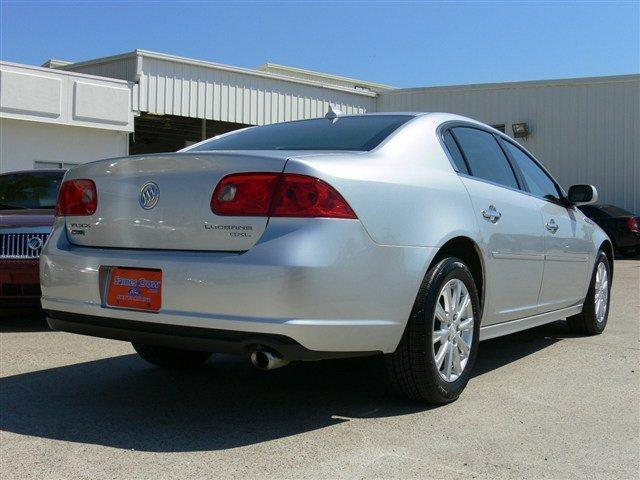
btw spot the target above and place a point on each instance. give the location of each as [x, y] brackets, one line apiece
[178, 88]
[584, 131]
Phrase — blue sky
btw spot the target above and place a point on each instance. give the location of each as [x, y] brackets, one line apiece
[402, 44]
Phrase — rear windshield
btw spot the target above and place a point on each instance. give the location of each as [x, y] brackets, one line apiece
[359, 133]
[19, 191]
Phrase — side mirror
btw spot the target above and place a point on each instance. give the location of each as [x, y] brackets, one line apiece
[582, 194]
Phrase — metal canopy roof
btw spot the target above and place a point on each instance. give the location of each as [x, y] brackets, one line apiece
[261, 72]
[172, 85]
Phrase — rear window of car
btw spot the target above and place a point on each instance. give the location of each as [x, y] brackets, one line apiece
[29, 190]
[357, 133]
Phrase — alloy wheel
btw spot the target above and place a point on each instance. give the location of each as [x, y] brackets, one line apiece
[601, 294]
[452, 330]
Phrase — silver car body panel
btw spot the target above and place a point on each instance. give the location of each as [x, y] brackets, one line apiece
[570, 253]
[182, 218]
[330, 284]
[322, 282]
[514, 247]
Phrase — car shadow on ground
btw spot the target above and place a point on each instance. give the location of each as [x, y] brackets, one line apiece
[22, 320]
[124, 403]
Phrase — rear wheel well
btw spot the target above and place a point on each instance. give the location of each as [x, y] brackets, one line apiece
[466, 250]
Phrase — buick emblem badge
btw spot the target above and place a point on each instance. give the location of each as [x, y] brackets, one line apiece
[149, 195]
[34, 243]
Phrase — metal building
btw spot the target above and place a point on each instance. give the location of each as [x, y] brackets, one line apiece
[184, 100]
[584, 130]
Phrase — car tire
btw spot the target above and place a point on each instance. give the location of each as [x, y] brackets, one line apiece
[170, 358]
[590, 321]
[413, 368]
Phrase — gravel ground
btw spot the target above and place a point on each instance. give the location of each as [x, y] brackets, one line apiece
[542, 404]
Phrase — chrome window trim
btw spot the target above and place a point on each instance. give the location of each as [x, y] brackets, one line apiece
[453, 124]
[448, 153]
[443, 127]
[544, 170]
[489, 182]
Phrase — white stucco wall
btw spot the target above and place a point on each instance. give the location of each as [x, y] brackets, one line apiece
[64, 98]
[22, 143]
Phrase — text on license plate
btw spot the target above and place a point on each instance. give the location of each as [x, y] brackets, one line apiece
[137, 288]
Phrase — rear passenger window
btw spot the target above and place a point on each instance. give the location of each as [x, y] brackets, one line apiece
[485, 157]
[538, 182]
[455, 153]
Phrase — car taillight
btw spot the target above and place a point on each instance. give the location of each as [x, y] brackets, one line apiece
[244, 194]
[77, 197]
[303, 196]
[278, 195]
[632, 224]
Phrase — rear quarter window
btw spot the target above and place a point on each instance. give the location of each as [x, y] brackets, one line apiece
[455, 153]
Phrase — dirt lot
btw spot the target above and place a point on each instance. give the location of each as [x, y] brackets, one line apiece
[542, 404]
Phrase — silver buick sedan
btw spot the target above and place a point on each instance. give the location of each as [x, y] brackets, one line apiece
[414, 236]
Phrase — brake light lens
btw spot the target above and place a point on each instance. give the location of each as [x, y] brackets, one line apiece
[278, 195]
[304, 196]
[77, 197]
[632, 224]
[244, 194]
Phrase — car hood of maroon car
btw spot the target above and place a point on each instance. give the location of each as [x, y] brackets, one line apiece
[26, 218]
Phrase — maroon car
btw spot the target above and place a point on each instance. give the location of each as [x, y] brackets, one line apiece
[27, 203]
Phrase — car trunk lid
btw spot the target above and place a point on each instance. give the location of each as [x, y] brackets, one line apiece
[163, 202]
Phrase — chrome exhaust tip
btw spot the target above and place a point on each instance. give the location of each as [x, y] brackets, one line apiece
[267, 360]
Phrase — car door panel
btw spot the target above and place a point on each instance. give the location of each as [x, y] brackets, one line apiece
[510, 223]
[568, 248]
[515, 250]
[567, 238]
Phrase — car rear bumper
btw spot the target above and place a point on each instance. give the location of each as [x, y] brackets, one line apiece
[323, 284]
[189, 338]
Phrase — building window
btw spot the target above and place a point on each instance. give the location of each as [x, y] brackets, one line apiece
[500, 127]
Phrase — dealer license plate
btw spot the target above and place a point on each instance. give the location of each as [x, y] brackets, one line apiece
[135, 288]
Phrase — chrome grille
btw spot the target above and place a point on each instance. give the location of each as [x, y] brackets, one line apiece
[18, 245]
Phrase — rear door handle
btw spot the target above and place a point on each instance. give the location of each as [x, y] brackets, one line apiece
[491, 214]
[552, 226]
